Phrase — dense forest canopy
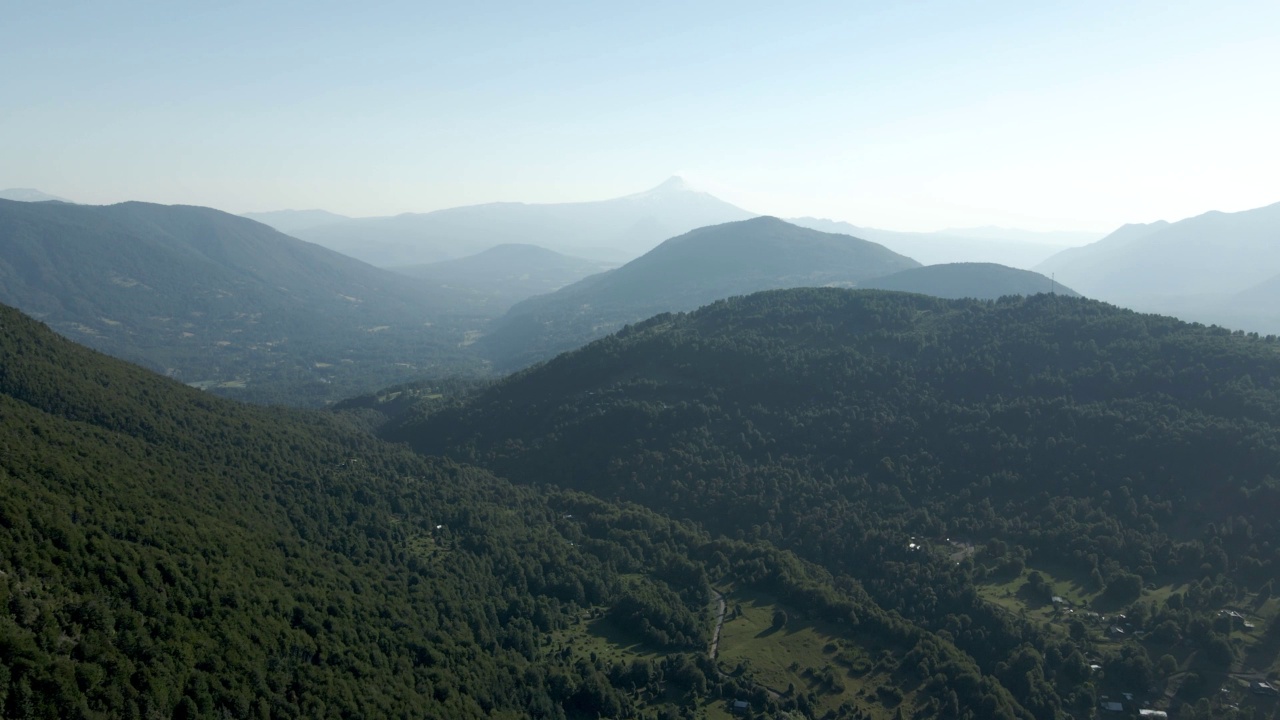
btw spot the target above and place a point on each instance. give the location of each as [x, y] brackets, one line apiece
[821, 502]
[1135, 456]
[168, 553]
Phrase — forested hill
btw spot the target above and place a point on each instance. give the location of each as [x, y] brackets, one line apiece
[1111, 451]
[857, 376]
[983, 281]
[681, 274]
[166, 553]
[210, 297]
[169, 554]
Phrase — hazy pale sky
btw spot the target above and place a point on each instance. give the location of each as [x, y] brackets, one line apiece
[900, 115]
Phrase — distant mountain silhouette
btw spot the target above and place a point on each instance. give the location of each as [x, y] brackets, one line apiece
[29, 195]
[984, 281]
[1266, 292]
[291, 221]
[681, 274]
[207, 296]
[614, 230]
[1037, 237]
[1015, 248]
[490, 282]
[1147, 266]
[1254, 309]
[1095, 258]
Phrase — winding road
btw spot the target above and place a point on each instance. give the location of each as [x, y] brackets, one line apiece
[715, 645]
[715, 638]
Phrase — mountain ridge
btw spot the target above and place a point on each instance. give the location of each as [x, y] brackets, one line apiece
[983, 281]
[29, 195]
[209, 296]
[1214, 252]
[291, 221]
[609, 230]
[683, 273]
[943, 247]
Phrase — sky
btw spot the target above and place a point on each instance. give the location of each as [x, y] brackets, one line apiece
[900, 115]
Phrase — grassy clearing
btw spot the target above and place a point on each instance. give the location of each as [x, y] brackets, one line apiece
[425, 547]
[593, 637]
[802, 656]
[1261, 644]
[601, 638]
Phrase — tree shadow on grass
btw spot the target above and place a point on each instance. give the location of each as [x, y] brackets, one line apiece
[770, 631]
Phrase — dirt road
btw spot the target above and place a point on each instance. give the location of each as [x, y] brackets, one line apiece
[715, 638]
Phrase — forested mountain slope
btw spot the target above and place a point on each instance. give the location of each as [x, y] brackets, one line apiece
[1109, 450]
[684, 273]
[166, 553]
[210, 297]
